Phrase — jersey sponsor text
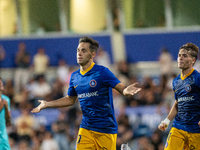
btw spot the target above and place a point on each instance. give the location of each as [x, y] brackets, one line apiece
[183, 99]
[90, 94]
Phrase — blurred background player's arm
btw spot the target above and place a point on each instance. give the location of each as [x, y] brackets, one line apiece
[3, 103]
[7, 113]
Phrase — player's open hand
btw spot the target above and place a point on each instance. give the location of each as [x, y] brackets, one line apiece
[40, 107]
[131, 89]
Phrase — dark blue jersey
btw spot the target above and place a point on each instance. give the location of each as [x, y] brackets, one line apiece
[187, 93]
[94, 90]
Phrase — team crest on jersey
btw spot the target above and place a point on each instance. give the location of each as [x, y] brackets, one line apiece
[93, 83]
[188, 88]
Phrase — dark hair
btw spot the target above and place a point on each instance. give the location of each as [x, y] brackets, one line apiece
[94, 45]
[192, 49]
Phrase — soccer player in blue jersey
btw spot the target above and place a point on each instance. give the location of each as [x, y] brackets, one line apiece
[92, 85]
[4, 118]
[185, 131]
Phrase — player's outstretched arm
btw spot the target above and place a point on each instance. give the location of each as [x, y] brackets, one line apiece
[43, 105]
[129, 90]
[62, 102]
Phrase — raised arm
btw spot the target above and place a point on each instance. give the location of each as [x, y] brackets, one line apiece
[129, 90]
[62, 102]
[173, 112]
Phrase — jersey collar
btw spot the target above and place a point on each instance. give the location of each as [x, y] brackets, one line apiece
[88, 69]
[183, 78]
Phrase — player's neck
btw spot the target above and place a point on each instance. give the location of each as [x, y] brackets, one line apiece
[83, 68]
[184, 72]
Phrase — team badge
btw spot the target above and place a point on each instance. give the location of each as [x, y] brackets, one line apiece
[188, 88]
[93, 83]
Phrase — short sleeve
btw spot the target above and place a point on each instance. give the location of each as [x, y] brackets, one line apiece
[175, 96]
[71, 90]
[198, 80]
[109, 78]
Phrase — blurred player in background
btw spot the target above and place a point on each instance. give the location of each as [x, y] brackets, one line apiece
[92, 85]
[4, 118]
[185, 131]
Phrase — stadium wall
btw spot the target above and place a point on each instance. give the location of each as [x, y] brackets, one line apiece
[142, 50]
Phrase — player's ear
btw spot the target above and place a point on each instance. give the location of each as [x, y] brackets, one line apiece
[93, 54]
[193, 60]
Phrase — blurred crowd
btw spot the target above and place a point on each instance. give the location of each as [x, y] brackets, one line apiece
[30, 85]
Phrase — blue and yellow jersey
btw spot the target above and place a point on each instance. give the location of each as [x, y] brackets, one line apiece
[3, 133]
[94, 90]
[187, 94]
